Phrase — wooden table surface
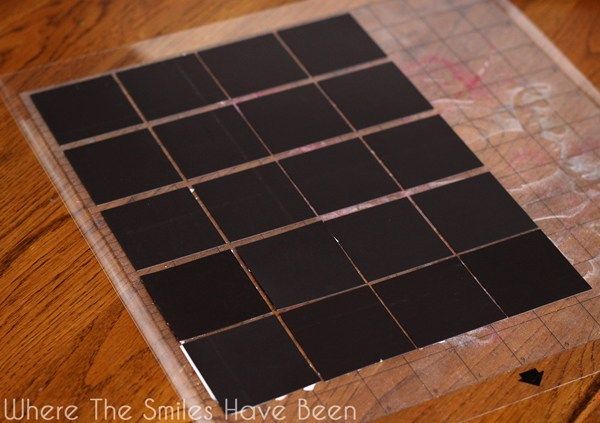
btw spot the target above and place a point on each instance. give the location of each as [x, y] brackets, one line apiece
[65, 336]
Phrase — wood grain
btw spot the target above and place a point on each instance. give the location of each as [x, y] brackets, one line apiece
[573, 26]
[65, 335]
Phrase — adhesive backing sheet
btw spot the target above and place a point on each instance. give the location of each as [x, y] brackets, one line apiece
[363, 204]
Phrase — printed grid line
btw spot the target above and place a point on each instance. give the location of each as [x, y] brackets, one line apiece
[542, 200]
[452, 347]
[501, 53]
[501, 338]
[492, 146]
[509, 164]
[462, 262]
[410, 52]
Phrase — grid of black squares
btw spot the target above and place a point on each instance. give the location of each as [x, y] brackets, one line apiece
[479, 256]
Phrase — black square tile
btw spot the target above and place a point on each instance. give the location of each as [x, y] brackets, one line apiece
[300, 265]
[250, 364]
[473, 212]
[122, 166]
[524, 272]
[172, 86]
[387, 239]
[346, 332]
[211, 141]
[161, 228]
[331, 44]
[204, 295]
[438, 302]
[252, 65]
[376, 95]
[85, 109]
[342, 175]
[253, 201]
[422, 151]
[294, 118]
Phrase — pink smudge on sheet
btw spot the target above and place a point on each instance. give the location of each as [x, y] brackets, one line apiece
[469, 80]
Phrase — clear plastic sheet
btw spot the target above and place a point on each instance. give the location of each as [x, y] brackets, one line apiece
[527, 113]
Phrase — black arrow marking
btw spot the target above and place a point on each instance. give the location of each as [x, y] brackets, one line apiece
[532, 377]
